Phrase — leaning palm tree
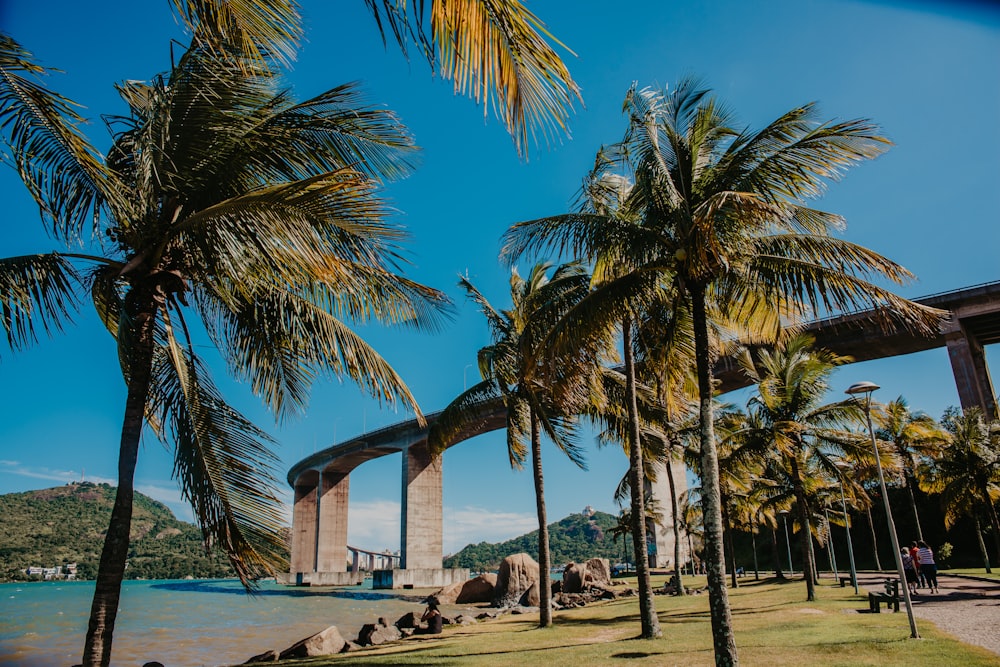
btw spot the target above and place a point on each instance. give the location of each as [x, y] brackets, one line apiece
[542, 393]
[966, 473]
[223, 207]
[725, 225]
[915, 437]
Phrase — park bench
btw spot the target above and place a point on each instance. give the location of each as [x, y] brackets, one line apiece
[889, 597]
[844, 581]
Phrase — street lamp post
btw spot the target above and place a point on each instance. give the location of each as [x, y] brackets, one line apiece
[847, 524]
[829, 543]
[788, 544]
[867, 388]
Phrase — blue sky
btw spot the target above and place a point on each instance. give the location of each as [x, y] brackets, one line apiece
[927, 72]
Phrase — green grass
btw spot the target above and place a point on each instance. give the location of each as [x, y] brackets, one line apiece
[774, 627]
[973, 571]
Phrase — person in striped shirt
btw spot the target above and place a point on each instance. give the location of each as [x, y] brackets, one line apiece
[925, 558]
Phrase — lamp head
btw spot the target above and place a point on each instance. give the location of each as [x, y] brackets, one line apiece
[861, 388]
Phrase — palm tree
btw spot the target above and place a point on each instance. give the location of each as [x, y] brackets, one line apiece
[787, 418]
[541, 393]
[222, 203]
[967, 471]
[915, 436]
[724, 223]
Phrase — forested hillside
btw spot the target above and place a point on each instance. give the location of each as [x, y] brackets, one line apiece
[576, 538]
[66, 524]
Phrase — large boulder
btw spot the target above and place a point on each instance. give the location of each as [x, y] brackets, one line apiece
[580, 577]
[327, 642]
[574, 575]
[531, 598]
[598, 572]
[516, 575]
[478, 589]
[373, 634]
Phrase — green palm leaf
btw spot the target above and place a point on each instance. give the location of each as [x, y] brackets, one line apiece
[36, 292]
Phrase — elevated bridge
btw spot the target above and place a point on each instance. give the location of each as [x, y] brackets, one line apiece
[321, 481]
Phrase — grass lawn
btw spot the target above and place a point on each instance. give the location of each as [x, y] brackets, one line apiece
[774, 627]
[973, 571]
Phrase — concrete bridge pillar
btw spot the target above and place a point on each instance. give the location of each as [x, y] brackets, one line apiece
[968, 363]
[661, 533]
[333, 496]
[304, 525]
[421, 509]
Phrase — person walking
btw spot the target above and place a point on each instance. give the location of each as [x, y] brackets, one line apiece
[925, 557]
[909, 569]
[921, 579]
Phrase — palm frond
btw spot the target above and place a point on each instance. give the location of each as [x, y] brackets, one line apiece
[224, 464]
[37, 292]
[61, 170]
[280, 341]
[262, 29]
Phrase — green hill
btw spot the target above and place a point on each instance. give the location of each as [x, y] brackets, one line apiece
[66, 524]
[576, 538]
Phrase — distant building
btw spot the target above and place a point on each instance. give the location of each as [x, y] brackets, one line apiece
[588, 511]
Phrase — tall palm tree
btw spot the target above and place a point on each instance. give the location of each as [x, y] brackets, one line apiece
[222, 203]
[915, 436]
[966, 473]
[542, 393]
[724, 223]
[788, 419]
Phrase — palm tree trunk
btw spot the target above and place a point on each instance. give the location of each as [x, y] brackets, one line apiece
[753, 543]
[776, 555]
[809, 566]
[982, 544]
[728, 535]
[676, 525]
[544, 564]
[992, 514]
[114, 555]
[871, 526]
[723, 638]
[647, 606]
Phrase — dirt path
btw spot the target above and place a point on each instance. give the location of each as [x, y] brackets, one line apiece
[966, 608]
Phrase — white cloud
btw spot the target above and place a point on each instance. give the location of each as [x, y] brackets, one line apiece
[374, 525]
[471, 525]
[49, 474]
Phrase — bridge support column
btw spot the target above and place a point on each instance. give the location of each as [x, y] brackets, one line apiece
[972, 377]
[331, 550]
[304, 529]
[420, 523]
[662, 532]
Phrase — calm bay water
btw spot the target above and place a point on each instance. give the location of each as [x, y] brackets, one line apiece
[182, 623]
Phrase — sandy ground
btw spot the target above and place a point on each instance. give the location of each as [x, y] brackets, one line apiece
[967, 608]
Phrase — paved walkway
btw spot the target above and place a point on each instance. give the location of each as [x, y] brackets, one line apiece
[966, 608]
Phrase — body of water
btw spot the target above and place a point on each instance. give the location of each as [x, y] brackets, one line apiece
[183, 623]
